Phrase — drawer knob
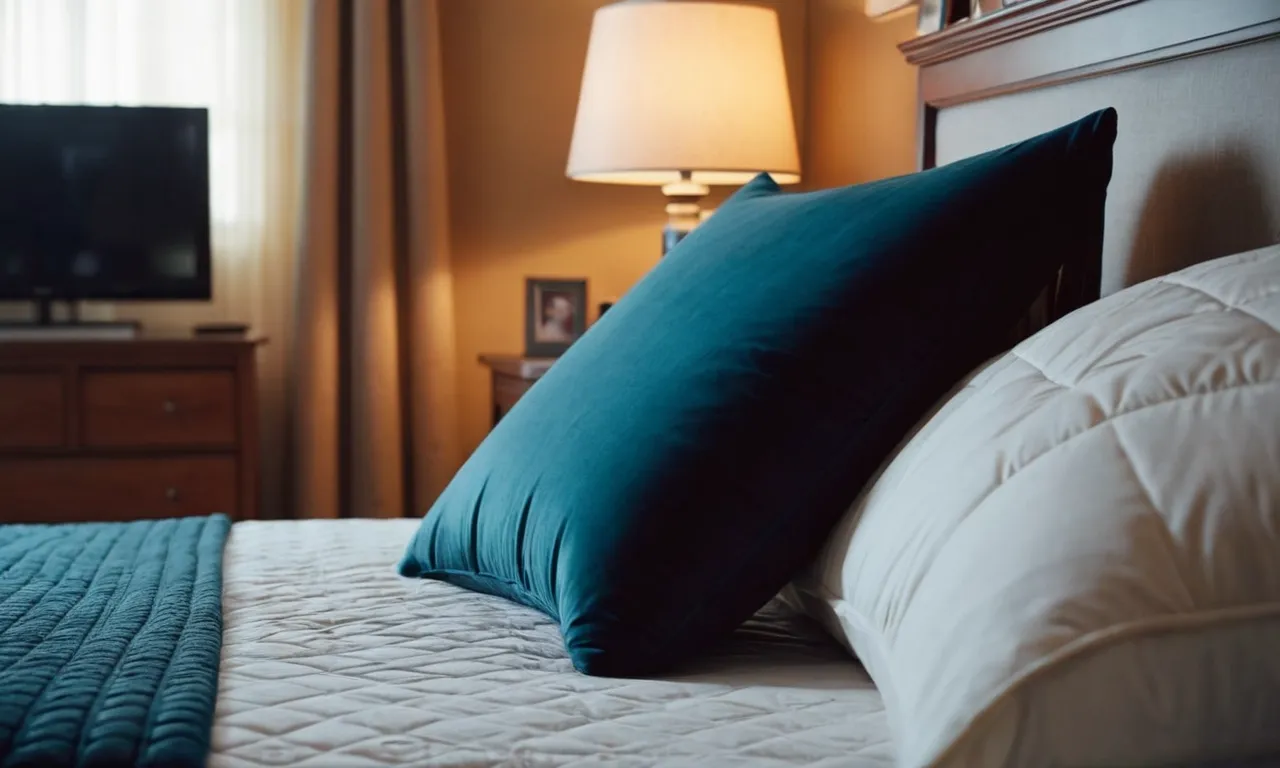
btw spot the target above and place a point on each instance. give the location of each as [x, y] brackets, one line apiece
[171, 494]
[168, 406]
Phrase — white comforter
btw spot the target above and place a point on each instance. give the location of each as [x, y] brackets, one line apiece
[331, 659]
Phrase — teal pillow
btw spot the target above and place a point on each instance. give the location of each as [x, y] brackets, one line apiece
[689, 453]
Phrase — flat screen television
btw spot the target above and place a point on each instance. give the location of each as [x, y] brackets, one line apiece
[104, 203]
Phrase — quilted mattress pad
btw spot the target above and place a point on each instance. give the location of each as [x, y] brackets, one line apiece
[331, 659]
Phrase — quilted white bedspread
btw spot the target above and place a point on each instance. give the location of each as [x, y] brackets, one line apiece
[331, 659]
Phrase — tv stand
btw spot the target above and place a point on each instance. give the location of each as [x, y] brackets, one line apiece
[45, 328]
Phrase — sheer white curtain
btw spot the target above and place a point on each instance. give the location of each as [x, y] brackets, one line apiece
[243, 59]
[239, 58]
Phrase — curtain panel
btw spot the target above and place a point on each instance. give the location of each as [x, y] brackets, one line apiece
[374, 426]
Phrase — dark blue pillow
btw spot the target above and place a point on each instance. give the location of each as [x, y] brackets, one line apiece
[691, 452]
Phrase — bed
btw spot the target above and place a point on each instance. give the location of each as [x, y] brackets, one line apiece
[351, 665]
[329, 658]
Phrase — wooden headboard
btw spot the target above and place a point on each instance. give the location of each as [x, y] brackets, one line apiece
[1197, 87]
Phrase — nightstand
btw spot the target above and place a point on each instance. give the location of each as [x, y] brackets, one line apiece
[512, 376]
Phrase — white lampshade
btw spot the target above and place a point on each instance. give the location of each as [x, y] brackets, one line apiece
[674, 86]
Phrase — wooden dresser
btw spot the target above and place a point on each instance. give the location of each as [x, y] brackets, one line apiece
[123, 430]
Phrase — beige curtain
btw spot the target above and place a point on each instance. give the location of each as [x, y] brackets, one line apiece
[373, 423]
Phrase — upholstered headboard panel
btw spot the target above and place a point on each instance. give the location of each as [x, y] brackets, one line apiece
[1197, 161]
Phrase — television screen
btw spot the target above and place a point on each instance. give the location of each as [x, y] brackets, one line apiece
[104, 202]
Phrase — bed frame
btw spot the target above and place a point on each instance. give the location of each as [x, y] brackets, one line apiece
[1197, 87]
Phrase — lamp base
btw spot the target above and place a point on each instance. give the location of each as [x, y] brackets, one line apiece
[683, 211]
[671, 237]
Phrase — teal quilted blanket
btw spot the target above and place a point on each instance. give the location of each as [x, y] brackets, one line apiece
[110, 635]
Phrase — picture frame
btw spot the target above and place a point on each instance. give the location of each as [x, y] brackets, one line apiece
[933, 16]
[980, 9]
[555, 314]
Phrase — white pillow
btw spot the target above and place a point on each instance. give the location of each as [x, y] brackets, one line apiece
[1076, 560]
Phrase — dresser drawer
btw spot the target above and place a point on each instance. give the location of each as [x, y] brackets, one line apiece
[32, 410]
[73, 490]
[174, 409]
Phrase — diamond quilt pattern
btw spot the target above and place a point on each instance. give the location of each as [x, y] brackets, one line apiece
[331, 659]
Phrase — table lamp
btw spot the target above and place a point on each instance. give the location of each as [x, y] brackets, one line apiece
[684, 95]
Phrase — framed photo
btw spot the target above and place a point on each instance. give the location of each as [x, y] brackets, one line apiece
[555, 315]
[933, 16]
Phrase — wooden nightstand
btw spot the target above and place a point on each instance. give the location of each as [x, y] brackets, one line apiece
[512, 377]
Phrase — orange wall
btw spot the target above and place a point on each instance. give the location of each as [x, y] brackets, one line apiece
[512, 70]
[862, 96]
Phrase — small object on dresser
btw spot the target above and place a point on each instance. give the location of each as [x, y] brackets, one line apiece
[981, 8]
[555, 315]
[70, 331]
[932, 17]
[222, 330]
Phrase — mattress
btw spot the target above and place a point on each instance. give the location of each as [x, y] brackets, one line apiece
[331, 659]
